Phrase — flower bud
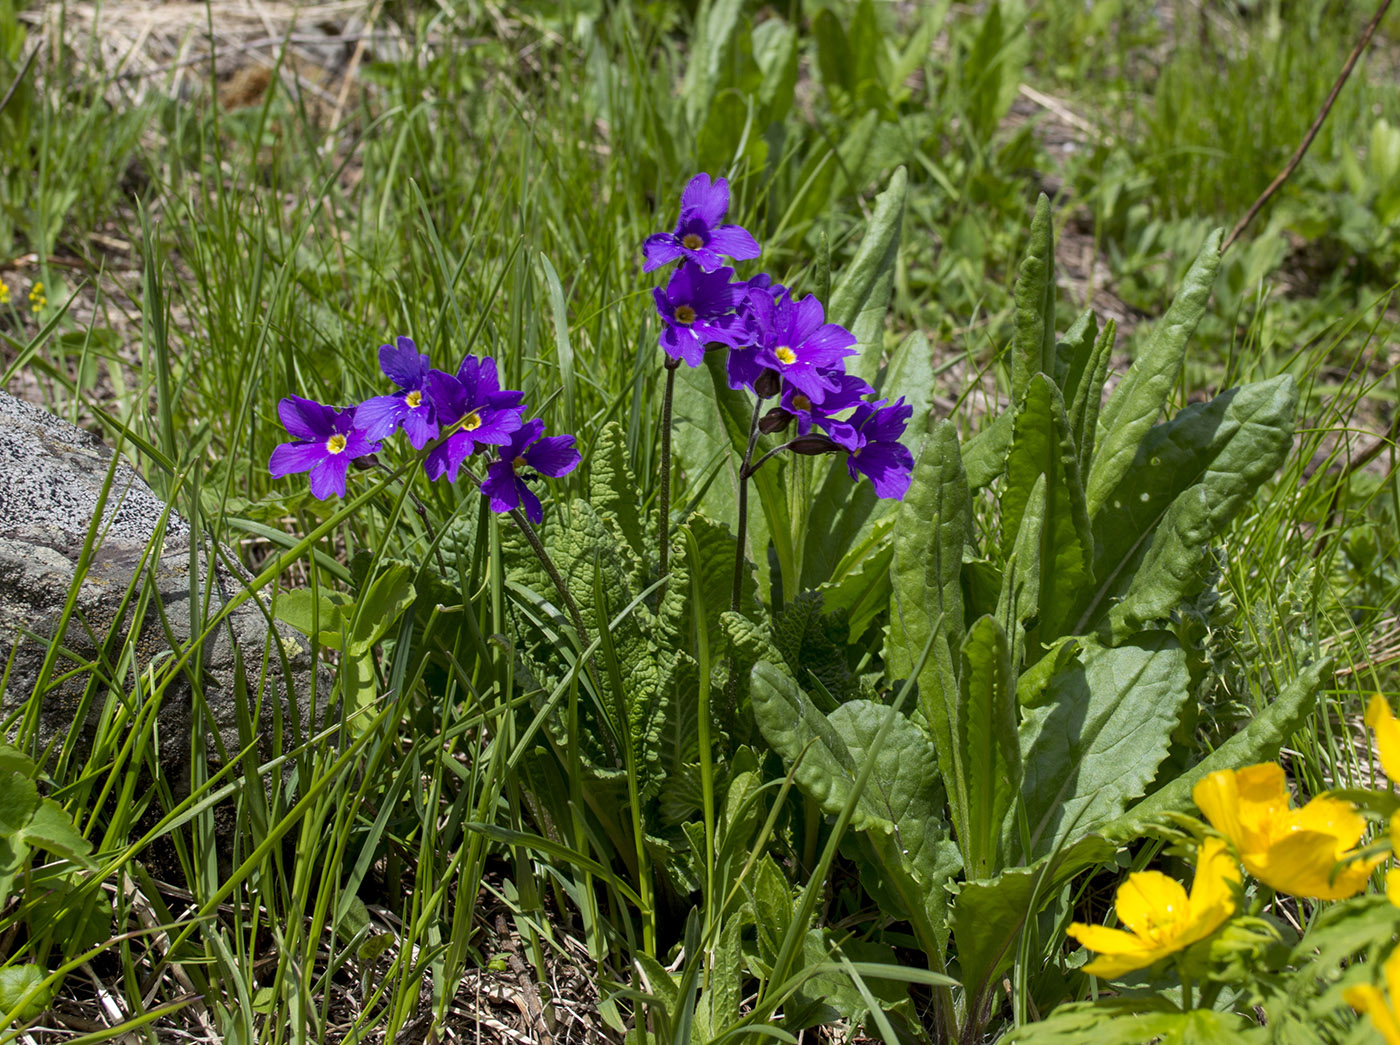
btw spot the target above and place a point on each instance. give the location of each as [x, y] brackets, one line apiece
[775, 420]
[812, 445]
[768, 384]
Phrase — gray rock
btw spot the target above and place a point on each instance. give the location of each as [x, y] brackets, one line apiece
[51, 478]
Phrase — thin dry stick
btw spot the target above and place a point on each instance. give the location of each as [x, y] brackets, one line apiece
[23, 71]
[1297, 156]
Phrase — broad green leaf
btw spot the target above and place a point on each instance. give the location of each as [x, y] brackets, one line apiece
[12, 760]
[776, 52]
[17, 981]
[987, 918]
[860, 584]
[379, 608]
[984, 455]
[1019, 602]
[1227, 448]
[719, 1005]
[905, 790]
[1086, 399]
[862, 294]
[1097, 741]
[994, 69]
[1041, 445]
[991, 753]
[1259, 741]
[19, 799]
[52, 829]
[715, 22]
[308, 611]
[1140, 397]
[931, 528]
[1072, 355]
[612, 489]
[1033, 342]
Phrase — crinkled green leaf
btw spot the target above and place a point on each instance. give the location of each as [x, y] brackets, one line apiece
[1041, 445]
[612, 488]
[1096, 743]
[1033, 341]
[1138, 400]
[926, 611]
[1259, 741]
[984, 455]
[1084, 392]
[991, 753]
[1155, 542]
[1019, 603]
[813, 643]
[860, 585]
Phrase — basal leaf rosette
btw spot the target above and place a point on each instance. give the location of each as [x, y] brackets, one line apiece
[1305, 852]
[1161, 918]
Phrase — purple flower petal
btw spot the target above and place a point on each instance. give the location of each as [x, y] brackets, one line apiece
[889, 466]
[680, 342]
[733, 241]
[420, 426]
[380, 417]
[290, 458]
[703, 201]
[306, 418]
[660, 249]
[554, 455]
[328, 477]
[403, 364]
[501, 486]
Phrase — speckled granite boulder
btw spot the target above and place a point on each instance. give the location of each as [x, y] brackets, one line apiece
[51, 477]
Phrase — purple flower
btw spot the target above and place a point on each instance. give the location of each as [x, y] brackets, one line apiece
[697, 309]
[699, 236]
[742, 364]
[411, 407]
[524, 453]
[794, 341]
[327, 440]
[881, 456]
[471, 401]
[849, 392]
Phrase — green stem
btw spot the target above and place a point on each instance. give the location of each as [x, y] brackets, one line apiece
[664, 527]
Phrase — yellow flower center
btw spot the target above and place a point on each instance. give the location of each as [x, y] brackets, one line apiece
[413, 399]
[801, 402]
[685, 315]
[692, 241]
[785, 355]
[471, 422]
[520, 464]
[336, 443]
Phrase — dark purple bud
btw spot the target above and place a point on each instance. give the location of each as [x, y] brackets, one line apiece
[812, 445]
[768, 384]
[775, 420]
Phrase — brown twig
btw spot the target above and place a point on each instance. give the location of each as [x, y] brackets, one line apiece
[1297, 156]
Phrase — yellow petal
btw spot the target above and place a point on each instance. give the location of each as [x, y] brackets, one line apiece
[1391, 968]
[1331, 816]
[1107, 941]
[1152, 905]
[1392, 886]
[1212, 891]
[1380, 718]
[1367, 999]
[1218, 797]
[1302, 863]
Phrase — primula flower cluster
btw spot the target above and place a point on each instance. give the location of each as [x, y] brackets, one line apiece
[779, 346]
[453, 415]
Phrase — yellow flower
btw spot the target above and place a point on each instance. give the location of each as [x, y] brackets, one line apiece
[1368, 999]
[4, 293]
[37, 300]
[1380, 718]
[1160, 917]
[1293, 850]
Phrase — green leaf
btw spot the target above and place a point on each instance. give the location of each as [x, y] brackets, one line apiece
[52, 829]
[379, 608]
[1019, 602]
[1259, 741]
[1141, 395]
[1041, 445]
[991, 754]
[16, 981]
[987, 918]
[1033, 342]
[715, 23]
[308, 611]
[984, 455]
[1131, 1021]
[19, 799]
[1217, 454]
[612, 489]
[931, 528]
[1084, 392]
[12, 760]
[862, 294]
[1098, 740]
[860, 584]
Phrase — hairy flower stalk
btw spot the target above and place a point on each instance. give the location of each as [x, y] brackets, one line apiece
[664, 524]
